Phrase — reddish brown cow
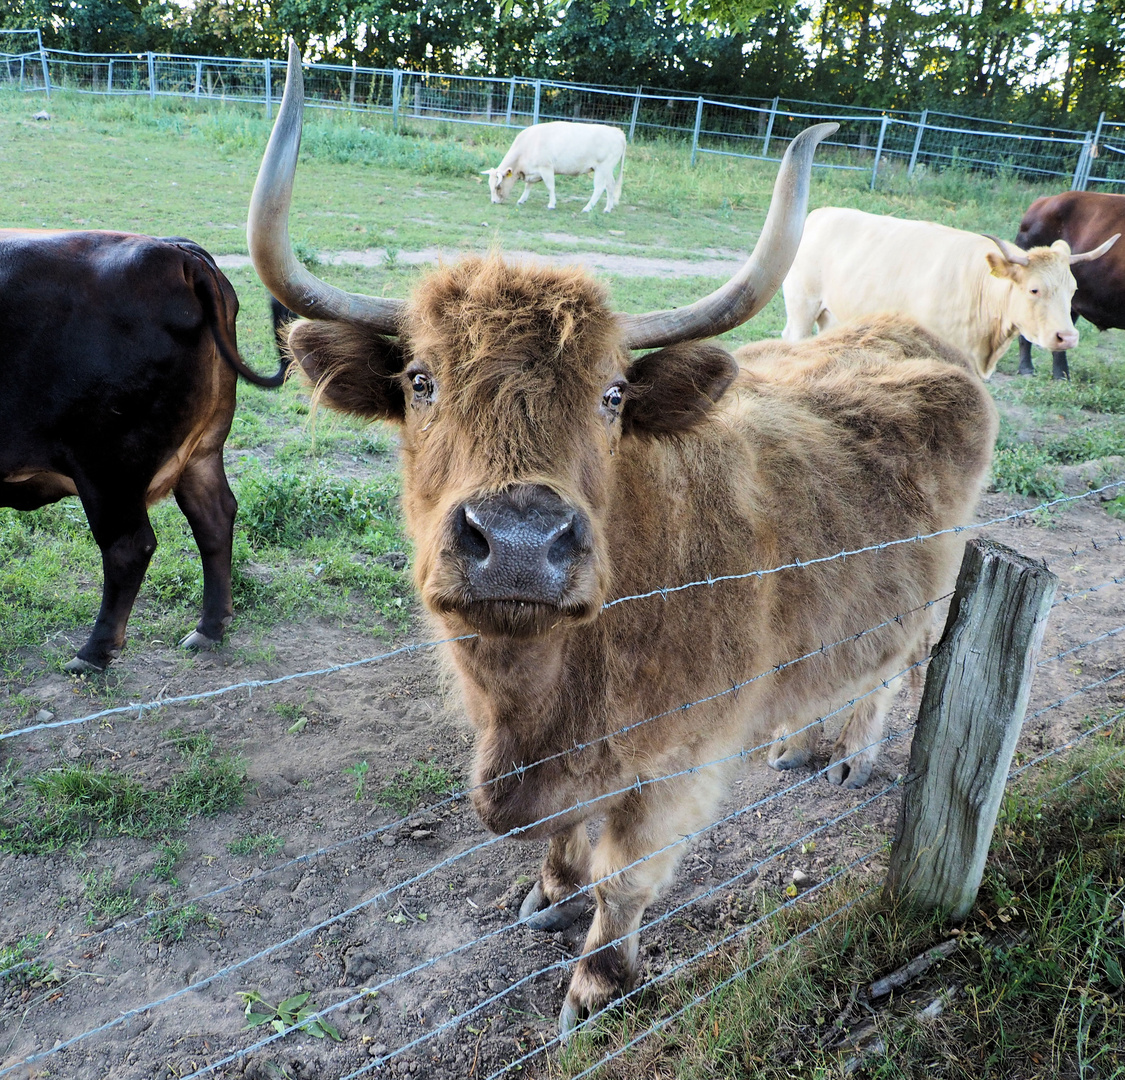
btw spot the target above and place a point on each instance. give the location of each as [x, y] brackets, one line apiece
[1085, 220]
[119, 365]
[546, 470]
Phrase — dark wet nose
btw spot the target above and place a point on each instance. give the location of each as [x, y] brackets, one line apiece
[523, 544]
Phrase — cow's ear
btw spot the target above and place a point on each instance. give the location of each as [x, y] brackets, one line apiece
[673, 389]
[1001, 266]
[350, 368]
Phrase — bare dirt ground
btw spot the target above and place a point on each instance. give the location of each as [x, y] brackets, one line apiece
[419, 910]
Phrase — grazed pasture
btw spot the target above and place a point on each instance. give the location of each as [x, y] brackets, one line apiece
[133, 817]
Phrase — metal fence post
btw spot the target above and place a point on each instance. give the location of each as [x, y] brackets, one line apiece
[769, 129]
[511, 101]
[109, 79]
[46, 71]
[268, 72]
[695, 133]
[396, 94]
[637, 109]
[1079, 181]
[198, 76]
[917, 142]
[151, 75]
[878, 151]
[1092, 156]
[968, 724]
[535, 107]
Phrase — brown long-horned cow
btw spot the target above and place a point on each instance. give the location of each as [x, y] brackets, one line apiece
[546, 470]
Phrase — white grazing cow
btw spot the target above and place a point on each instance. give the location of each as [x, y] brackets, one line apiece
[976, 292]
[560, 148]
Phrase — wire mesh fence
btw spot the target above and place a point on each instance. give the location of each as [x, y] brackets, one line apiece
[1081, 697]
[870, 141]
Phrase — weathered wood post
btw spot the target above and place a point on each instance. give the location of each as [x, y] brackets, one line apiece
[968, 723]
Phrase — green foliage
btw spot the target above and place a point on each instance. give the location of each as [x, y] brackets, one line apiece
[417, 783]
[22, 952]
[107, 902]
[1025, 469]
[287, 508]
[292, 1012]
[167, 923]
[68, 805]
[359, 772]
[261, 844]
[167, 855]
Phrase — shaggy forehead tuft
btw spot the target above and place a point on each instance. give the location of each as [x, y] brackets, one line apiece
[494, 329]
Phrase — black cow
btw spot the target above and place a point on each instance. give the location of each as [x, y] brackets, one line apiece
[1085, 220]
[119, 363]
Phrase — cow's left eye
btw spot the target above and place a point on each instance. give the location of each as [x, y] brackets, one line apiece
[1034, 292]
[613, 398]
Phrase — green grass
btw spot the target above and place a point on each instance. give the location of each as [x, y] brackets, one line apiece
[260, 844]
[67, 805]
[1037, 982]
[319, 520]
[419, 783]
[23, 953]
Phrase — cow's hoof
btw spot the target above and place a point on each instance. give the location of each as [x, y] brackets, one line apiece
[784, 755]
[571, 1018]
[853, 773]
[1026, 371]
[542, 915]
[78, 666]
[196, 641]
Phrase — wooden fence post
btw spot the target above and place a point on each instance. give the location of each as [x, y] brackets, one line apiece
[968, 723]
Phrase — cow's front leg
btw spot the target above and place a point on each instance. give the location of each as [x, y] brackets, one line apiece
[548, 178]
[556, 900]
[645, 825]
[791, 751]
[1060, 369]
[1026, 366]
[857, 748]
[209, 505]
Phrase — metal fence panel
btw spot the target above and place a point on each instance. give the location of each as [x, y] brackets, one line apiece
[869, 140]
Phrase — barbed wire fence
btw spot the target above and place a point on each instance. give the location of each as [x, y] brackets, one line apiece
[383, 900]
[869, 140]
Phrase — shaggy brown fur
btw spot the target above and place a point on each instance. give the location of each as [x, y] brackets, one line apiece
[509, 380]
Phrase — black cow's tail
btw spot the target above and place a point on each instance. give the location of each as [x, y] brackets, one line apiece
[220, 305]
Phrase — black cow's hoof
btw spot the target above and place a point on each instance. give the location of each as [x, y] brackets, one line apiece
[541, 915]
[196, 641]
[78, 666]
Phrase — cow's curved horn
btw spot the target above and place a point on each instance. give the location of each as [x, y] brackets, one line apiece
[267, 228]
[1012, 253]
[754, 285]
[1097, 253]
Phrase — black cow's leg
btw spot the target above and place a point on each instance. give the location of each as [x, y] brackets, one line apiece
[121, 528]
[209, 505]
[1060, 368]
[1026, 366]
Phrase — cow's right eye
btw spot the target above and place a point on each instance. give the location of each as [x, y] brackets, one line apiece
[423, 386]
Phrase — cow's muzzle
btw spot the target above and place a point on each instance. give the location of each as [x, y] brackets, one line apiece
[524, 545]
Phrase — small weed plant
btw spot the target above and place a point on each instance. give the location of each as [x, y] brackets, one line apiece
[415, 785]
[293, 1012]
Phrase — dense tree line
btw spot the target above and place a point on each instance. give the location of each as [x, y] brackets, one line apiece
[1043, 60]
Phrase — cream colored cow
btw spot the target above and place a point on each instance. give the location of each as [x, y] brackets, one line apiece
[977, 292]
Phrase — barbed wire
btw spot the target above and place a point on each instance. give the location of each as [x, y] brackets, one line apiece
[1070, 697]
[249, 684]
[562, 964]
[522, 770]
[1117, 538]
[663, 1022]
[1067, 597]
[664, 592]
[1078, 648]
[305, 932]
[1068, 745]
[386, 893]
[799, 564]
